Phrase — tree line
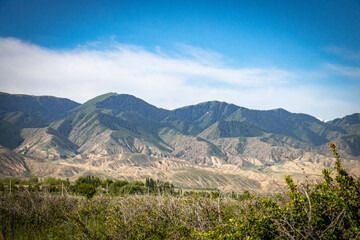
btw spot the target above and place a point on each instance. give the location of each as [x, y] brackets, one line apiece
[86, 186]
[89, 186]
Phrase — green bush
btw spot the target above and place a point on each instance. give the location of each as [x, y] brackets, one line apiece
[132, 189]
[326, 210]
[33, 180]
[137, 183]
[114, 188]
[106, 183]
[86, 190]
[92, 180]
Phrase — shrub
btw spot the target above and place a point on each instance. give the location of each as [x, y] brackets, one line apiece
[86, 190]
[33, 180]
[326, 210]
[137, 183]
[114, 188]
[25, 215]
[132, 189]
[106, 183]
[95, 181]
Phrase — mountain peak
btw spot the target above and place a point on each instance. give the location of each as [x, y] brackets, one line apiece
[280, 110]
[113, 103]
[120, 135]
[207, 113]
[97, 99]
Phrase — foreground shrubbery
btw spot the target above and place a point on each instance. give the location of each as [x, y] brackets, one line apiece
[45, 216]
[326, 210]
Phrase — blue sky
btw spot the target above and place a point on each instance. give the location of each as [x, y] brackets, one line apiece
[303, 56]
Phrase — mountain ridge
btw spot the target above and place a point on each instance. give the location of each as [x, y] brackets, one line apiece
[101, 135]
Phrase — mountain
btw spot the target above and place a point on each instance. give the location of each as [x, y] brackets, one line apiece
[44, 107]
[12, 164]
[24, 111]
[351, 126]
[206, 114]
[10, 134]
[46, 143]
[209, 145]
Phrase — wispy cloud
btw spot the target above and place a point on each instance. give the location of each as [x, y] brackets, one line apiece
[166, 79]
[343, 52]
[352, 72]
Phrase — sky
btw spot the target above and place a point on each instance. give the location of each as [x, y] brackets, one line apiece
[303, 56]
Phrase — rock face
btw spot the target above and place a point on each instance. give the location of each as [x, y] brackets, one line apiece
[208, 145]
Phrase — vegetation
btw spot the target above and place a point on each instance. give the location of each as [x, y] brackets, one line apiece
[87, 186]
[10, 135]
[154, 210]
[37, 107]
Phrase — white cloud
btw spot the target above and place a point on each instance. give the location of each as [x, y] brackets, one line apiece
[167, 80]
[343, 52]
[352, 72]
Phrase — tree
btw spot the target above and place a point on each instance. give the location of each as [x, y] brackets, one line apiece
[115, 187]
[33, 180]
[158, 186]
[86, 190]
[53, 184]
[93, 180]
[132, 189]
[138, 183]
[106, 183]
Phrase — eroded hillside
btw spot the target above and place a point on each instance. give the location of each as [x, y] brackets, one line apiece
[209, 145]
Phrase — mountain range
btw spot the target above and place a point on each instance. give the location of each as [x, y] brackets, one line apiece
[211, 145]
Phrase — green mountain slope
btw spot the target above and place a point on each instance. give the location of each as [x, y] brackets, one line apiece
[301, 126]
[10, 135]
[101, 133]
[351, 140]
[24, 120]
[115, 104]
[231, 129]
[45, 107]
[350, 123]
[205, 145]
[113, 119]
[207, 113]
[25, 111]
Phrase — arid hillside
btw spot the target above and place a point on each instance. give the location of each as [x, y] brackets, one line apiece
[211, 145]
